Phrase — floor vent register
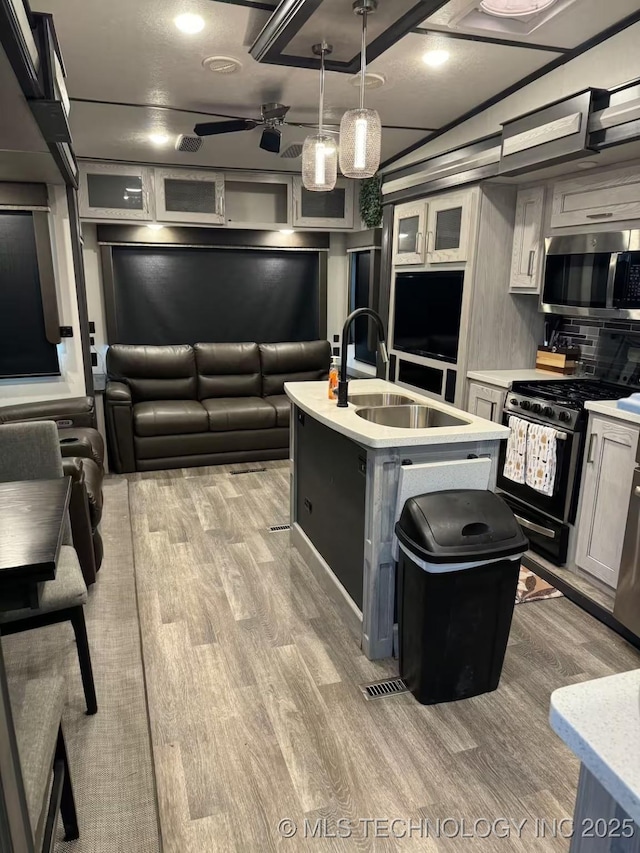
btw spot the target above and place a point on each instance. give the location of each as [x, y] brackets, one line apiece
[384, 688]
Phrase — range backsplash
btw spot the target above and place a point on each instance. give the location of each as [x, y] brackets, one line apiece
[585, 334]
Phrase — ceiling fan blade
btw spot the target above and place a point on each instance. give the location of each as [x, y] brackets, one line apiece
[212, 128]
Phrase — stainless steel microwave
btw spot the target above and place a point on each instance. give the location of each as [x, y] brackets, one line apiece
[593, 275]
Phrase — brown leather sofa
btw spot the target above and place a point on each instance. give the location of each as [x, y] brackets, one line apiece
[82, 450]
[208, 404]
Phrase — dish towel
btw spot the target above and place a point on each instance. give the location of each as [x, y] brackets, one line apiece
[542, 458]
[515, 459]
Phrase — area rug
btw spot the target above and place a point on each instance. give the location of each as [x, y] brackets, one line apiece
[533, 588]
[109, 753]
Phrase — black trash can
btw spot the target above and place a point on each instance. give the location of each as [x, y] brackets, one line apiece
[458, 573]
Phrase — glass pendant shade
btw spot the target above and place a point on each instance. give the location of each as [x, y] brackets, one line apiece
[360, 141]
[319, 163]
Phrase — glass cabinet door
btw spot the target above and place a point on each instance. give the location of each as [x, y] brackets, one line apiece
[332, 209]
[408, 234]
[448, 229]
[183, 196]
[114, 192]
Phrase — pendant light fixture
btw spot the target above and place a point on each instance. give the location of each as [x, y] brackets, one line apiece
[360, 130]
[320, 152]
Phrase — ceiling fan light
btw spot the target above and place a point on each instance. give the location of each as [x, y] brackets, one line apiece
[514, 8]
[360, 141]
[319, 163]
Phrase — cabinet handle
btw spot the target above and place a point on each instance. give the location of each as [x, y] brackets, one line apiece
[599, 215]
[592, 444]
[428, 246]
[532, 257]
[416, 246]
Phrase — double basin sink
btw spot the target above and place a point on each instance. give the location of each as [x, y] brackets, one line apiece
[396, 410]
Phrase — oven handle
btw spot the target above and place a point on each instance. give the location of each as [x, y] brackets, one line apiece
[536, 528]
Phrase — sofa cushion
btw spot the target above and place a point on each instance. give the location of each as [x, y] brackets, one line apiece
[228, 370]
[169, 417]
[236, 413]
[154, 373]
[299, 361]
[282, 405]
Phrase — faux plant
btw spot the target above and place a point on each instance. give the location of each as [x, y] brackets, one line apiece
[371, 201]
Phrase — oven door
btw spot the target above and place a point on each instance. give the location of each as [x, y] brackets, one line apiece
[559, 504]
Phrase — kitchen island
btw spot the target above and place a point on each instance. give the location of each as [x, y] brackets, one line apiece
[600, 722]
[350, 477]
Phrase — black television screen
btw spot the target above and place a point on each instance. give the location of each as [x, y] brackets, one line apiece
[427, 314]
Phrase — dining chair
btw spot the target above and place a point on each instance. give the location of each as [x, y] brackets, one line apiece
[30, 451]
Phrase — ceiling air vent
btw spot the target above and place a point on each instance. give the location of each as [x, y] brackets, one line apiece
[292, 151]
[508, 17]
[190, 144]
[222, 64]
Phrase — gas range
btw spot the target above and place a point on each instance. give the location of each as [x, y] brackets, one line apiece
[559, 403]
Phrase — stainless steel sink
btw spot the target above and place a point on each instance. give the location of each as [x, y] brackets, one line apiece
[410, 417]
[379, 399]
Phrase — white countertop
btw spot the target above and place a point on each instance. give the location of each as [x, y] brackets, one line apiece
[600, 722]
[610, 408]
[312, 398]
[506, 378]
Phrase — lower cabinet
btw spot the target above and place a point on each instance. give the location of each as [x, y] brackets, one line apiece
[606, 491]
[486, 401]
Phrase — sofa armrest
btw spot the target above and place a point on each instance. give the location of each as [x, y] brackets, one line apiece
[71, 412]
[119, 420]
[72, 467]
[117, 392]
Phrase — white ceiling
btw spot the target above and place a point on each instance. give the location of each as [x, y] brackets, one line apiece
[130, 52]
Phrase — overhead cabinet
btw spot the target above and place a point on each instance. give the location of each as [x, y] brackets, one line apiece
[435, 231]
[258, 201]
[448, 229]
[606, 493]
[115, 192]
[409, 229]
[333, 209]
[528, 243]
[610, 196]
[184, 196]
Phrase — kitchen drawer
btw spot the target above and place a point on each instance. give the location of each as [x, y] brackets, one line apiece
[611, 196]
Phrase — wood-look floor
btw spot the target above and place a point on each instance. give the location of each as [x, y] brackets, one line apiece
[255, 710]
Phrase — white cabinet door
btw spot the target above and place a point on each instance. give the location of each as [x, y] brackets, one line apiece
[333, 209]
[115, 192]
[448, 229]
[526, 261]
[608, 197]
[606, 492]
[409, 234]
[186, 196]
[486, 401]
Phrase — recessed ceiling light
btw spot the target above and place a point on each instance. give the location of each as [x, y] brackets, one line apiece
[514, 8]
[155, 226]
[287, 231]
[188, 23]
[435, 58]
[158, 138]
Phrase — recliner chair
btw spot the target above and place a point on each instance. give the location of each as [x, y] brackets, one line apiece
[82, 451]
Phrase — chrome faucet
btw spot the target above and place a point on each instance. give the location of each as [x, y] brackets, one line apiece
[343, 384]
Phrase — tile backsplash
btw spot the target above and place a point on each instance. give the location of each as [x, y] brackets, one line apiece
[585, 333]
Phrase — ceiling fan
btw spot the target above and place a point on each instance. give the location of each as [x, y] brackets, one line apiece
[272, 118]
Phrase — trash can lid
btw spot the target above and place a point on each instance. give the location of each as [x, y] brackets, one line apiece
[459, 525]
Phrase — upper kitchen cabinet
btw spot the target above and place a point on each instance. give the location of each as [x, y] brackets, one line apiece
[115, 192]
[606, 492]
[189, 197]
[258, 201]
[610, 196]
[528, 243]
[409, 233]
[448, 228]
[332, 209]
